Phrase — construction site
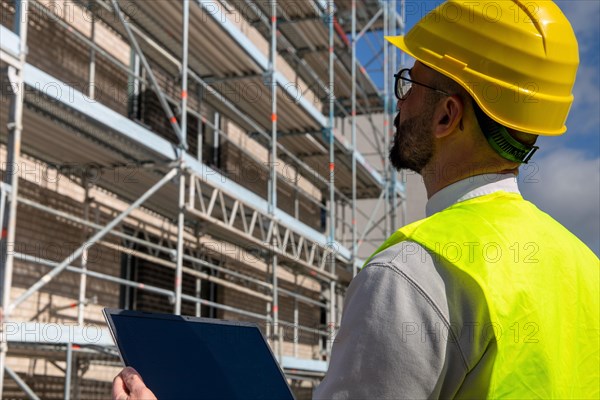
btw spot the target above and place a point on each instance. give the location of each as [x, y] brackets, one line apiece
[211, 158]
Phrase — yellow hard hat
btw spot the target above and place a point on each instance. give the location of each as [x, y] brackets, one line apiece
[518, 59]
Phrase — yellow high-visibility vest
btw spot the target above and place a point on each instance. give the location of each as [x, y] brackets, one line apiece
[541, 286]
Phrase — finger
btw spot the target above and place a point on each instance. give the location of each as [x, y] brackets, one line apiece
[137, 389]
[131, 377]
[133, 380]
[118, 389]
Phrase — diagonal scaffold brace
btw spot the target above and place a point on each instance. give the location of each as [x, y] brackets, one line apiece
[161, 97]
[44, 280]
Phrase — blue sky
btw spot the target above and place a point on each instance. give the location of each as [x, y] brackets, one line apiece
[563, 178]
[568, 187]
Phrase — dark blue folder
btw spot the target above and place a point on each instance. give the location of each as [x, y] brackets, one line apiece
[183, 357]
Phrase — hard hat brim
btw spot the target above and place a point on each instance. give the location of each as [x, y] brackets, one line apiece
[399, 42]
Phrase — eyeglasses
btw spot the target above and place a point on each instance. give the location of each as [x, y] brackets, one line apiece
[403, 84]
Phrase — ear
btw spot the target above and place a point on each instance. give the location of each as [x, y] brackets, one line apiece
[447, 116]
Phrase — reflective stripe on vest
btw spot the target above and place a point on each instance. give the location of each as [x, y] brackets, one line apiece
[536, 276]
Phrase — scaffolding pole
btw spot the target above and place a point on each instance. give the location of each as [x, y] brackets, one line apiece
[184, 73]
[386, 119]
[15, 127]
[92, 70]
[84, 257]
[180, 229]
[296, 320]
[273, 173]
[390, 112]
[332, 319]
[198, 296]
[181, 172]
[354, 226]
[68, 371]
[402, 64]
[331, 98]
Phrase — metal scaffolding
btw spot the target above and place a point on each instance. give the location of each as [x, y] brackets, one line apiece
[180, 179]
[8, 215]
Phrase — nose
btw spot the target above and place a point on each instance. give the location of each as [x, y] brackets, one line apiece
[399, 104]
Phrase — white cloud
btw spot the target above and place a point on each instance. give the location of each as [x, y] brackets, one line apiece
[566, 185]
[583, 15]
[585, 114]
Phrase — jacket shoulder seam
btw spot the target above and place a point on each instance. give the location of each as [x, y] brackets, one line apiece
[429, 300]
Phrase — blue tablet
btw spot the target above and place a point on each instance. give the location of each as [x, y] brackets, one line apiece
[183, 357]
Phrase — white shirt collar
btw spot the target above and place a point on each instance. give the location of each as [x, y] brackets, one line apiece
[469, 188]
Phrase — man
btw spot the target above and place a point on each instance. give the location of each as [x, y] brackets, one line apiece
[488, 296]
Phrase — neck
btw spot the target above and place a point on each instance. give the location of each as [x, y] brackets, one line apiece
[438, 177]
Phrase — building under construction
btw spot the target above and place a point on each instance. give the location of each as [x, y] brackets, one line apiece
[196, 157]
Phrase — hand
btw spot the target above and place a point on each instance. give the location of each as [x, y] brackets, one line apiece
[128, 385]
